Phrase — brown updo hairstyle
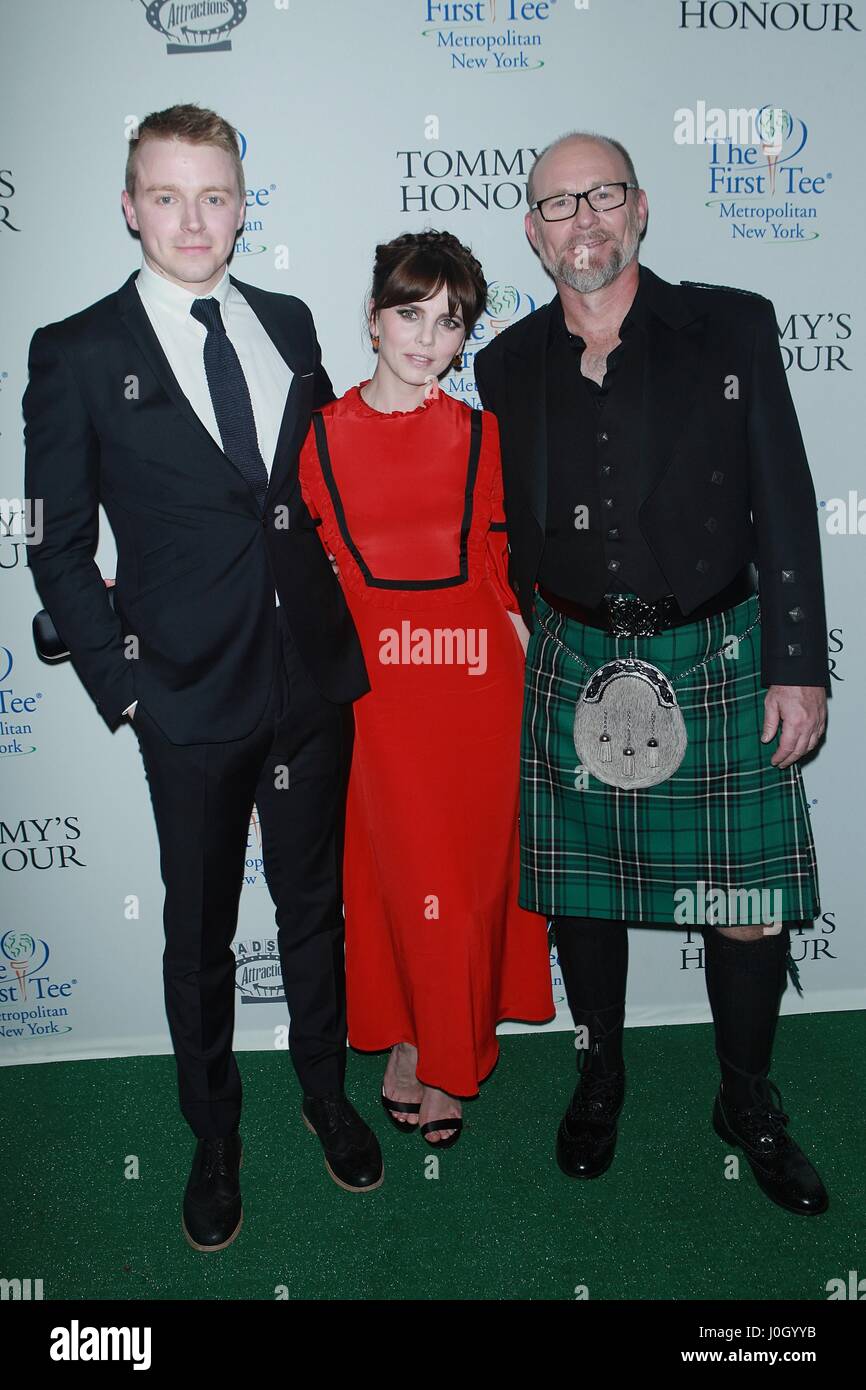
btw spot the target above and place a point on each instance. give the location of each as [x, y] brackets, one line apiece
[416, 265]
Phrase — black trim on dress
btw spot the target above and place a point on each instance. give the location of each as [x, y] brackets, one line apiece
[372, 580]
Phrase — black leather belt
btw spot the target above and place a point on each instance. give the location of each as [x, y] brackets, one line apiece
[625, 615]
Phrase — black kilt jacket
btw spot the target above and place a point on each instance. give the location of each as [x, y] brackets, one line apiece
[724, 478]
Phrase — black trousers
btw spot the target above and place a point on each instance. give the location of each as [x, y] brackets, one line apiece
[294, 766]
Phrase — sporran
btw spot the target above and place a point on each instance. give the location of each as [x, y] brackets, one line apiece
[629, 729]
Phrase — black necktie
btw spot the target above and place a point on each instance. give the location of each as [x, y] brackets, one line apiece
[231, 398]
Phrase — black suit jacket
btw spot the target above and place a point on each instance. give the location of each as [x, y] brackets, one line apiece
[197, 563]
[723, 474]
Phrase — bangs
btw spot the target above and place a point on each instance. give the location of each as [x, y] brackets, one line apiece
[421, 275]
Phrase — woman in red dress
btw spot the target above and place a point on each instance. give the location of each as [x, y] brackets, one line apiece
[406, 482]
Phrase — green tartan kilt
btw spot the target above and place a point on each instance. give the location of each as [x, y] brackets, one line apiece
[727, 819]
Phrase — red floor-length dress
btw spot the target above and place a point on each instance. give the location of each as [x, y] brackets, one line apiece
[437, 948]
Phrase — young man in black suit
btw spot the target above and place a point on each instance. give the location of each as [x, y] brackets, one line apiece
[179, 403]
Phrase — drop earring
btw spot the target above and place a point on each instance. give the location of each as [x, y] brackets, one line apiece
[374, 341]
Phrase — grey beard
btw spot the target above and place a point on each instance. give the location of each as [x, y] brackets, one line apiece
[585, 281]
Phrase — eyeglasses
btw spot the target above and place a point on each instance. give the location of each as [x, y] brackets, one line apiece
[603, 198]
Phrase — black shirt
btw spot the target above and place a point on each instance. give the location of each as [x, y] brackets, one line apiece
[592, 540]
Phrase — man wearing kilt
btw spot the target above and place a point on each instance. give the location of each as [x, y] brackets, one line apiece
[652, 460]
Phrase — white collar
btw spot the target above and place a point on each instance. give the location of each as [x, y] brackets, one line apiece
[165, 294]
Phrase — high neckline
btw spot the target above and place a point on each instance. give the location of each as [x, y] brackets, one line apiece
[369, 412]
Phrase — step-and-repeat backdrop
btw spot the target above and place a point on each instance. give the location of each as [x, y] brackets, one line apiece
[361, 119]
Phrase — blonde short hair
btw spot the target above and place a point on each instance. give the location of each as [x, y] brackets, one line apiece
[194, 124]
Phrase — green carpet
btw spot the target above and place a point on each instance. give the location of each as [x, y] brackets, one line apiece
[499, 1222]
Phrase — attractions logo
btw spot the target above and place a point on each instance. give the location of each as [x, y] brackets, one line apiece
[258, 974]
[764, 192]
[32, 1004]
[202, 26]
[488, 35]
[258, 202]
[16, 711]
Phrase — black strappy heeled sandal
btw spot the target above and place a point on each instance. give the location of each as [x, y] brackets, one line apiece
[400, 1107]
[453, 1122]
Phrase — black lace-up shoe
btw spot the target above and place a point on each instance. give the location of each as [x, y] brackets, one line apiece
[780, 1167]
[212, 1211]
[352, 1154]
[586, 1140]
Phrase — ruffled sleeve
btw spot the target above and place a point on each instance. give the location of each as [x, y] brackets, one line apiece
[496, 559]
[317, 500]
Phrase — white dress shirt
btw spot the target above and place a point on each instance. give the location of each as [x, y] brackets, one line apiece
[182, 339]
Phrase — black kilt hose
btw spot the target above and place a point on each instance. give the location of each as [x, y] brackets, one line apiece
[726, 822]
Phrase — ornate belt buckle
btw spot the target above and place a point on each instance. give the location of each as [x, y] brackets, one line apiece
[631, 616]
